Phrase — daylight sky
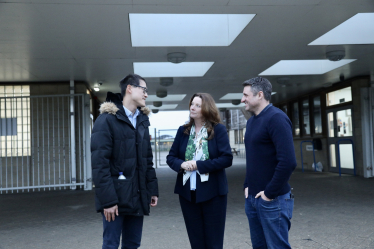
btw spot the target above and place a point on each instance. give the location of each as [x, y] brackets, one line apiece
[165, 120]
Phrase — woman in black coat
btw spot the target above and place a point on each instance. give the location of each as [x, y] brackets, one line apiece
[200, 153]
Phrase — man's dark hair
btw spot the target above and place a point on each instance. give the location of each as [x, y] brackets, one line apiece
[131, 79]
[259, 84]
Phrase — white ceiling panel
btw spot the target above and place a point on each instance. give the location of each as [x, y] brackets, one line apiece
[74, 2]
[168, 69]
[304, 67]
[170, 97]
[53, 69]
[229, 105]
[90, 41]
[163, 107]
[11, 70]
[182, 2]
[231, 96]
[108, 71]
[274, 2]
[358, 29]
[173, 30]
[101, 32]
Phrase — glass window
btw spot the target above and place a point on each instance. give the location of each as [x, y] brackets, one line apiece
[339, 96]
[344, 123]
[239, 136]
[346, 156]
[15, 121]
[330, 124]
[317, 115]
[306, 123]
[295, 119]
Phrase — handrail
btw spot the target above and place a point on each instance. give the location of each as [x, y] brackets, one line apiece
[314, 156]
[353, 151]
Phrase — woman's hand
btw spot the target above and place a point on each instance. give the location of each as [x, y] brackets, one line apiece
[187, 166]
[193, 164]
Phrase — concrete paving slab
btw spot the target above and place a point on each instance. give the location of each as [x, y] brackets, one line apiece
[330, 212]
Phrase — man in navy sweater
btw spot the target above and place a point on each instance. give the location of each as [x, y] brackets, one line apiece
[270, 161]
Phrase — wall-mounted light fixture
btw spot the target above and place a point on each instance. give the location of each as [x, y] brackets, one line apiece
[161, 93]
[236, 101]
[166, 81]
[176, 57]
[335, 53]
[97, 86]
[284, 81]
[157, 103]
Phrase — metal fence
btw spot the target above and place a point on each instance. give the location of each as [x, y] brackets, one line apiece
[44, 143]
[161, 144]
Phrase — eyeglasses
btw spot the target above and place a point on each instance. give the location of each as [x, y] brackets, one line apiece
[145, 90]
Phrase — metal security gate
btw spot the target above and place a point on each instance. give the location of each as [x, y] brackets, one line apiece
[45, 143]
[165, 139]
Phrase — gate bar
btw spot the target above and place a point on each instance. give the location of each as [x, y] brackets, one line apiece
[45, 186]
[73, 175]
[155, 141]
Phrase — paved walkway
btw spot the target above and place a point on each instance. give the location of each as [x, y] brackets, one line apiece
[330, 212]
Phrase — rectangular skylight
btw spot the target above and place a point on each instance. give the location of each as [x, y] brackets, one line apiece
[163, 107]
[170, 97]
[358, 29]
[304, 67]
[231, 96]
[168, 69]
[229, 105]
[182, 30]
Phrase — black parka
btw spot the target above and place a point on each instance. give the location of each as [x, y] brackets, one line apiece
[116, 146]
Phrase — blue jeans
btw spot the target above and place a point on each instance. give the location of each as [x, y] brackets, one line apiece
[269, 221]
[129, 226]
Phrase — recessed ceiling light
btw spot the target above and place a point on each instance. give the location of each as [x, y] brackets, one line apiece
[97, 86]
[157, 103]
[168, 81]
[163, 107]
[235, 101]
[167, 69]
[170, 97]
[174, 30]
[304, 67]
[231, 96]
[229, 105]
[161, 93]
[356, 30]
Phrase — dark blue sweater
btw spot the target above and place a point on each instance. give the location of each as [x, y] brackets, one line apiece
[270, 153]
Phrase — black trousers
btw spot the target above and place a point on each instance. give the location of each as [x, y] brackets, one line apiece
[205, 221]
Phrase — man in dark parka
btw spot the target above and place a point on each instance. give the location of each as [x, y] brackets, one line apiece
[120, 142]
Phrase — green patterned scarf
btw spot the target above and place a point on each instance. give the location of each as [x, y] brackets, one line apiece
[197, 149]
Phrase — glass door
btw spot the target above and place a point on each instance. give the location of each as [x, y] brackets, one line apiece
[340, 126]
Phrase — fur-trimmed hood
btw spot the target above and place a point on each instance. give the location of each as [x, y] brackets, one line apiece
[112, 108]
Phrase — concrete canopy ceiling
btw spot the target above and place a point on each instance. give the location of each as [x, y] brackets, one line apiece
[89, 40]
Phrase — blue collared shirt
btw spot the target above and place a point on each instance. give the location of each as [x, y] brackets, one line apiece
[132, 116]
